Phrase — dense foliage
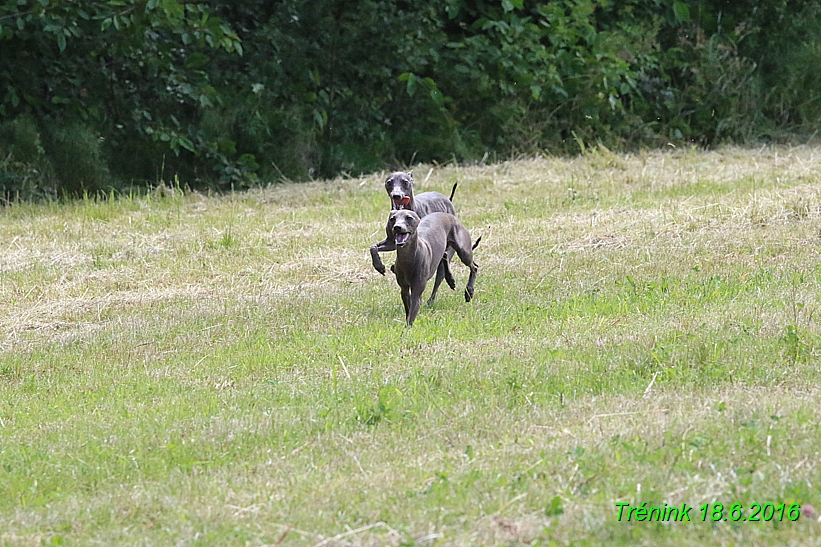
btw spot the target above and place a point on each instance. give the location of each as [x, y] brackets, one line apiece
[102, 93]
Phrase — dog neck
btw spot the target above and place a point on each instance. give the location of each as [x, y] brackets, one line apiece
[409, 249]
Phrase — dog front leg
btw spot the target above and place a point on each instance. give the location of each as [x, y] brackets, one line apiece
[415, 304]
[387, 244]
[406, 301]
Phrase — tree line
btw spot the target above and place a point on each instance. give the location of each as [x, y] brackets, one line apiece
[100, 94]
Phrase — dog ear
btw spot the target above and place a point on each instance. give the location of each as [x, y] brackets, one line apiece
[410, 175]
[391, 222]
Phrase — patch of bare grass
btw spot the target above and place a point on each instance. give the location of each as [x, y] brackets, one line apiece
[230, 370]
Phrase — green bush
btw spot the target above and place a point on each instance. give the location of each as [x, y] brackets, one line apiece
[25, 172]
[21, 138]
[76, 154]
[229, 94]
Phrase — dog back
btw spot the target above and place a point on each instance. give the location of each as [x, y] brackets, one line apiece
[432, 202]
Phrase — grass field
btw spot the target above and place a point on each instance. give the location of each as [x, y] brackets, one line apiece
[183, 369]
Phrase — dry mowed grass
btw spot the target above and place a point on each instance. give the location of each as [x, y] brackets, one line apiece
[187, 369]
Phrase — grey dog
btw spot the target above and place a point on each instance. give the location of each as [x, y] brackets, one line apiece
[421, 245]
[399, 187]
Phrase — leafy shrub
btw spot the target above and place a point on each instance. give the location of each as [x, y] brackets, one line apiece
[25, 172]
[20, 138]
[76, 155]
[232, 93]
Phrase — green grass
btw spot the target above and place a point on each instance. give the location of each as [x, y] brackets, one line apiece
[201, 370]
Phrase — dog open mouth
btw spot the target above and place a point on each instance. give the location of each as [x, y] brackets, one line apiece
[402, 203]
[401, 239]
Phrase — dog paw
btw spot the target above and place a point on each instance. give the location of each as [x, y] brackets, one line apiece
[379, 268]
[468, 295]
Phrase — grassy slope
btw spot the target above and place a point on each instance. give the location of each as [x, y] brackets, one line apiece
[215, 371]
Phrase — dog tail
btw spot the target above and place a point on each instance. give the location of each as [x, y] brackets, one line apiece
[477, 243]
[455, 184]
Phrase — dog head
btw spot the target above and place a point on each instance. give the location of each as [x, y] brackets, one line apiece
[399, 187]
[402, 224]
